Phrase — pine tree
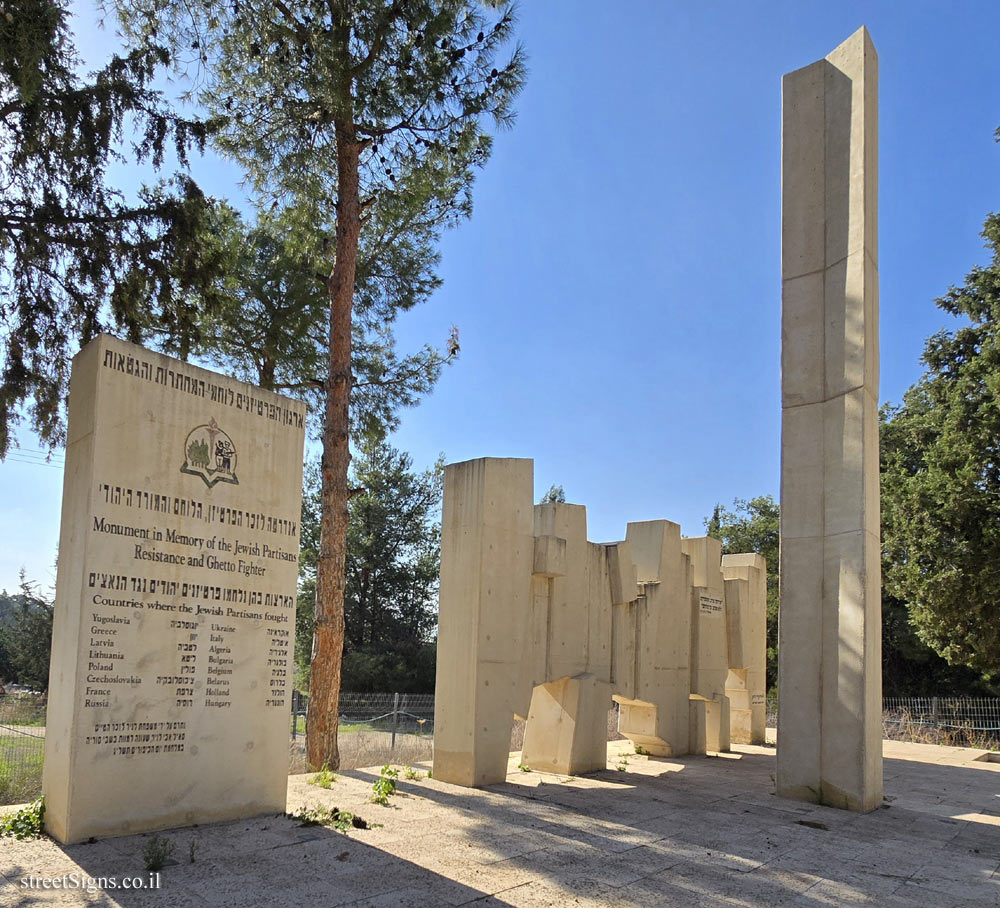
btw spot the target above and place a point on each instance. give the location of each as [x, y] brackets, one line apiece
[77, 257]
[363, 118]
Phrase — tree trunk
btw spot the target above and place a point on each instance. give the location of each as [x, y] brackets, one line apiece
[328, 636]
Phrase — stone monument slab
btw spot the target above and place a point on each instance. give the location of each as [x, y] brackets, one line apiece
[174, 628]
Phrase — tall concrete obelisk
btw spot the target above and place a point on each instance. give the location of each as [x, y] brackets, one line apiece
[830, 665]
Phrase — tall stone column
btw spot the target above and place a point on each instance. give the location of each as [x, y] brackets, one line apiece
[829, 669]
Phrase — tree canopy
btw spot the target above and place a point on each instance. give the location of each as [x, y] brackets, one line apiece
[941, 479]
[363, 120]
[393, 560]
[25, 637]
[76, 256]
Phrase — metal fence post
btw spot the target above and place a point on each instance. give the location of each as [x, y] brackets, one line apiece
[395, 718]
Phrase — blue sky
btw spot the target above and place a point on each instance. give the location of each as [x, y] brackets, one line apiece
[618, 287]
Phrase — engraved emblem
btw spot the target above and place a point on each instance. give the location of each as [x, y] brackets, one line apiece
[210, 454]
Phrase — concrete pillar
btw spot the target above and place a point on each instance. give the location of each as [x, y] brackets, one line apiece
[569, 658]
[487, 556]
[829, 675]
[709, 708]
[652, 673]
[746, 622]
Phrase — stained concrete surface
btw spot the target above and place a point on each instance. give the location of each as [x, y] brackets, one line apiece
[688, 831]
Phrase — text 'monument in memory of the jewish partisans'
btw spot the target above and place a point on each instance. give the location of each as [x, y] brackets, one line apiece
[174, 630]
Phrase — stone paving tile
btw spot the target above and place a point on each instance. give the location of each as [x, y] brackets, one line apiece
[689, 832]
[539, 894]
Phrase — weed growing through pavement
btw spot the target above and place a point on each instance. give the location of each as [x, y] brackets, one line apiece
[324, 778]
[156, 852]
[385, 785]
[332, 817]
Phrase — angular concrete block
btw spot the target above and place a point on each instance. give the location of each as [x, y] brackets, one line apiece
[802, 502]
[848, 345]
[550, 556]
[624, 636]
[802, 163]
[803, 380]
[598, 608]
[623, 574]
[746, 682]
[800, 636]
[567, 727]
[851, 478]
[709, 723]
[705, 553]
[655, 545]
[737, 614]
[568, 644]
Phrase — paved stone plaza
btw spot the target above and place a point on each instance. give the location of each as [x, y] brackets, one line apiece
[691, 831]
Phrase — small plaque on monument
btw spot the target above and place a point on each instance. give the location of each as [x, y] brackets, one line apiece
[174, 629]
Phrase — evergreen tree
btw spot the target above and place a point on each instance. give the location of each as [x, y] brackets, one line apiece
[941, 479]
[269, 324]
[393, 562]
[76, 257]
[364, 118]
[25, 637]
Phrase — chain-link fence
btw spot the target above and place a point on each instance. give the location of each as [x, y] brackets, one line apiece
[958, 721]
[977, 714]
[398, 727]
[395, 714]
[22, 744]
[962, 722]
[374, 728]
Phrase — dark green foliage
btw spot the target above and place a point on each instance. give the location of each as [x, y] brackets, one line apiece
[25, 638]
[269, 323]
[415, 87]
[393, 561]
[754, 526]
[941, 479]
[77, 257]
[910, 668]
[26, 823]
[416, 80]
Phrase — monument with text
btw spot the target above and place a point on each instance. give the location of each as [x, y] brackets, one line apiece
[173, 637]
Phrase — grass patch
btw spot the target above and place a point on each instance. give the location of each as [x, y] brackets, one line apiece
[324, 778]
[343, 729]
[354, 729]
[22, 710]
[20, 775]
